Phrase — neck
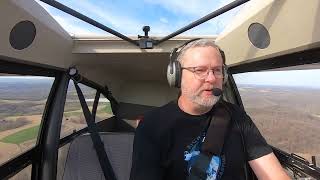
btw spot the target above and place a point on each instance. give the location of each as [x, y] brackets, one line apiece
[192, 108]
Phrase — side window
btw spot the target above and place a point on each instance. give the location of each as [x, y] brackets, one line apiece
[88, 93]
[22, 103]
[133, 122]
[23, 174]
[103, 109]
[285, 106]
[73, 117]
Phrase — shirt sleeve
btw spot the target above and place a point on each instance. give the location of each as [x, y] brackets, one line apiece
[255, 143]
[146, 154]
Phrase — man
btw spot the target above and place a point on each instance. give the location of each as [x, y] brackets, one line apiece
[165, 134]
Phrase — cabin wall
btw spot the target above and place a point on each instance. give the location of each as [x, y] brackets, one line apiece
[102, 76]
[51, 46]
[142, 92]
[293, 26]
[148, 93]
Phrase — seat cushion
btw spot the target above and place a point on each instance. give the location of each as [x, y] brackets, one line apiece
[82, 161]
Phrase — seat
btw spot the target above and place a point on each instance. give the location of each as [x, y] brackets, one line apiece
[82, 161]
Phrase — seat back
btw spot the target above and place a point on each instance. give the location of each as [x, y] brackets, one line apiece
[82, 161]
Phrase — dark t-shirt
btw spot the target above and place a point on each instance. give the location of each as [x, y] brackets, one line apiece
[164, 134]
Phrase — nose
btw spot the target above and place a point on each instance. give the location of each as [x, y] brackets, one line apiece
[211, 77]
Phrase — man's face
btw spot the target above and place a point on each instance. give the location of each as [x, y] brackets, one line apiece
[199, 91]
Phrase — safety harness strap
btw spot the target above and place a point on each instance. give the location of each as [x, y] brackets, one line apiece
[211, 148]
[217, 131]
[97, 142]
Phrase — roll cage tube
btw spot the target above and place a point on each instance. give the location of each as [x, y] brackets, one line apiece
[78, 15]
[297, 164]
[49, 137]
[95, 104]
[103, 90]
[214, 14]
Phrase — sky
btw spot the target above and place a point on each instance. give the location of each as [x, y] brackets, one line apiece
[296, 78]
[164, 17]
[129, 16]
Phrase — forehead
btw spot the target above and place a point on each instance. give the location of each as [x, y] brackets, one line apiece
[202, 56]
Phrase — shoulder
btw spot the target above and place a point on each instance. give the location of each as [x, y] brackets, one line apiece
[234, 109]
[255, 144]
[160, 114]
[238, 115]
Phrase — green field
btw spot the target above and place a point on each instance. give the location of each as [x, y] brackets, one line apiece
[22, 136]
[32, 132]
[107, 108]
[73, 113]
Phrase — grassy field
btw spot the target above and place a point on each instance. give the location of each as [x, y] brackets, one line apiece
[22, 136]
[73, 113]
[31, 133]
[106, 108]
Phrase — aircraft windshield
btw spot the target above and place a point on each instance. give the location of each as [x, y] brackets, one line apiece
[128, 17]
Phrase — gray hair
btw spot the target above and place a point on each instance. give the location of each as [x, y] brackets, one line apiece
[200, 43]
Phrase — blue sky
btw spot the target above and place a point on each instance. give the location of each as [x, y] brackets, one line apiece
[128, 17]
[164, 17]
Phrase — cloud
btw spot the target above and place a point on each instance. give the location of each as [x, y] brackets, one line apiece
[70, 25]
[123, 24]
[192, 10]
[129, 18]
[164, 20]
[118, 20]
[189, 7]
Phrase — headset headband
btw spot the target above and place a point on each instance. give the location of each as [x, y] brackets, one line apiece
[174, 68]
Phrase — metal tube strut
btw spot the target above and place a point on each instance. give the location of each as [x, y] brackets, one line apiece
[216, 13]
[78, 15]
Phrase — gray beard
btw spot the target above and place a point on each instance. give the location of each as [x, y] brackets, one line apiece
[203, 103]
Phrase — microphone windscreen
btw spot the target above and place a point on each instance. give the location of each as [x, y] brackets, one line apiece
[216, 91]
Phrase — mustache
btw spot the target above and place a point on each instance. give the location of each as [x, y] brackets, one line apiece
[213, 89]
[206, 88]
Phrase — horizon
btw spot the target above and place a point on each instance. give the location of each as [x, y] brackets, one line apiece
[164, 17]
[306, 79]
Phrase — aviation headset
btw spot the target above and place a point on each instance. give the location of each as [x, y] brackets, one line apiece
[174, 69]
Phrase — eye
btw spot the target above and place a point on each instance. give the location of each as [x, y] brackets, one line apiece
[200, 70]
[218, 70]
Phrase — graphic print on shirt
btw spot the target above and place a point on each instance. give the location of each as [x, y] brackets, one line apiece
[215, 168]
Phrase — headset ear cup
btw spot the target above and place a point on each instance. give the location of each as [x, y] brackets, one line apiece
[171, 74]
[225, 75]
[178, 74]
[174, 67]
[174, 74]
[225, 78]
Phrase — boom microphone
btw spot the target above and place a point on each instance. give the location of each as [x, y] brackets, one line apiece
[216, 91]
